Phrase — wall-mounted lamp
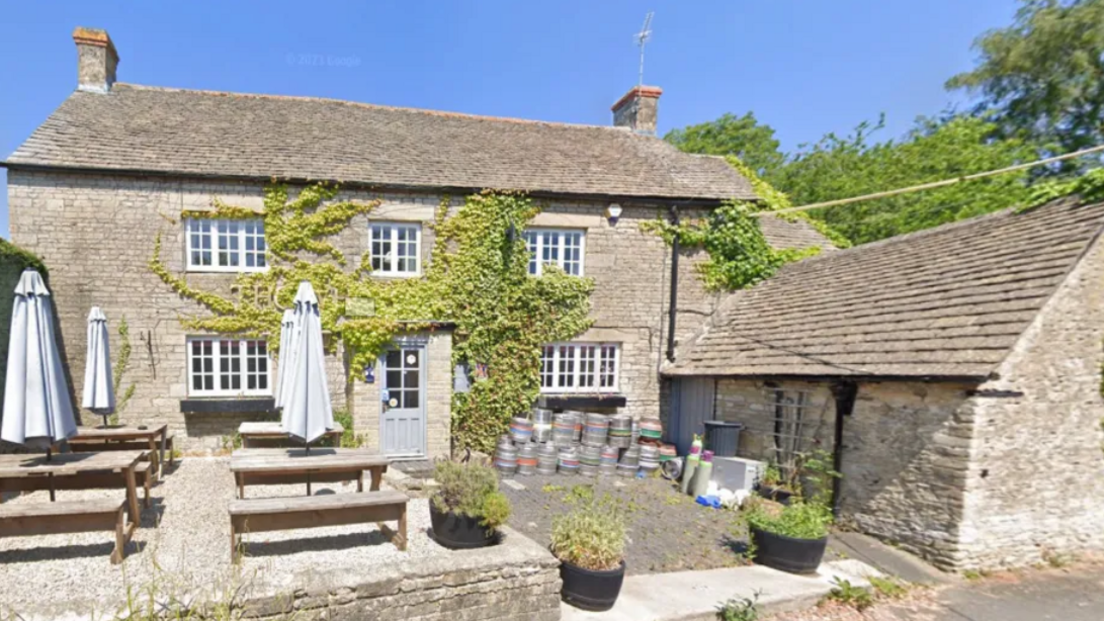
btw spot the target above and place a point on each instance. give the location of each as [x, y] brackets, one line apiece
[613, 212]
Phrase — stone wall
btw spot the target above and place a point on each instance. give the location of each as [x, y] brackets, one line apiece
[1036, 483]
[905, 453]
[97, 234]
[516, 580]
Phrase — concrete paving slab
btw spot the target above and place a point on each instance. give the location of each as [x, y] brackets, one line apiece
[695, 595]
[888, 559]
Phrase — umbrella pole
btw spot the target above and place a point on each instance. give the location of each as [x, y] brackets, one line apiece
[50, 476]
[308, 474]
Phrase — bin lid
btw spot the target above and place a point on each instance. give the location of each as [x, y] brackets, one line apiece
[723, 423]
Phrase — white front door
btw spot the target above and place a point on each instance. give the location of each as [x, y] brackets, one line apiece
[403, 416]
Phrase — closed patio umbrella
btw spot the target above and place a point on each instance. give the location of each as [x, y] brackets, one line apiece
[37, 408]
[287, 332]
[307, 413]
[99, 393]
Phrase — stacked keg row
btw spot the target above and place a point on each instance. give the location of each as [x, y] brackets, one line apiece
[586, 444]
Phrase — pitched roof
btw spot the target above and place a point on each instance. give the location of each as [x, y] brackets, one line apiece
[946, 302]
[160, 130]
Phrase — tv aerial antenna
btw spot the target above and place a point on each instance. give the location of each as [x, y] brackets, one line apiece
[641, 39]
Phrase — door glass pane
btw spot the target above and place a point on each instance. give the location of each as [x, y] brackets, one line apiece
[410, 358]
[394, 359]
[411, 400]
[394, 380]
[410, 379]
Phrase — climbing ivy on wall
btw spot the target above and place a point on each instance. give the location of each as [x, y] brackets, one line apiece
[739, 253]
[477, 278]
[122, 363]
[1089, 187]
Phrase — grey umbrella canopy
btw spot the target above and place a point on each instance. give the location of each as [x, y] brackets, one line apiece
[288, 331]
[307, 412]
[37, 408]
[99, 392]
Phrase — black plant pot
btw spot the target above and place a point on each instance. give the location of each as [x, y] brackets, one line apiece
[797, 556]
[777, 494]
[459, 532]
[591, 590]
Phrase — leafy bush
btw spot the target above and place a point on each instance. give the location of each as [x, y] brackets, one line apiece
[800, 520]
[592, 535]
[470, 489]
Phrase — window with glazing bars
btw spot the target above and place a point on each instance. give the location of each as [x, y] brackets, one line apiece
[219, 245]
[579, 367]
[227, 367]
[395, 249]
[562, 248]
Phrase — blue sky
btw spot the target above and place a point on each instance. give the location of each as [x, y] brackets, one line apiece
[806, 67]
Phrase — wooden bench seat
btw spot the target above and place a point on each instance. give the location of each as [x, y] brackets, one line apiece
[102, 479]
[71, 516]
[267, 514]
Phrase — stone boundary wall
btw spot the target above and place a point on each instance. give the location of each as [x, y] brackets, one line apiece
[515, 580]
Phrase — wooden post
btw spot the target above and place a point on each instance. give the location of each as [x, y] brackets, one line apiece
[132, 496]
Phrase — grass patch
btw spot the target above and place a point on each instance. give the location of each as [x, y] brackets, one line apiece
[889, 587]
[740, 609]
[857, 597]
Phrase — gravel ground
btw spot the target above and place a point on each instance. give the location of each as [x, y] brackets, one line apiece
[668, 531]
[183, 546]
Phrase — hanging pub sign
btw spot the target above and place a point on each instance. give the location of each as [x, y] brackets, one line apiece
[360, 307]
[370, 373]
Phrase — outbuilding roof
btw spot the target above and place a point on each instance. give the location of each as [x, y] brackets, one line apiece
[189, 132]
[949, 302]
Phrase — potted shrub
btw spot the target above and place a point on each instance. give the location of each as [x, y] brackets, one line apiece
[791, 538]
[467, 508]
[590, 543]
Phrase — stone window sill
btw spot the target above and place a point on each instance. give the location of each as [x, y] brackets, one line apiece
[224, 405]
[569, 401]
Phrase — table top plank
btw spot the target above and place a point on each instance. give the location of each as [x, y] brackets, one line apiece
[274, 429]
[118, 433]
[297, 460]
[253, 506]
[19, 466]
[65, 507]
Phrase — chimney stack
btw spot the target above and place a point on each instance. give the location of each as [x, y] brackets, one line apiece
[638, 109]
[96, 60]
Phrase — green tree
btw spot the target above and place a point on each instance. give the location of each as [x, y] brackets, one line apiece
[935, 149]
[741, 136]
[1043, 76]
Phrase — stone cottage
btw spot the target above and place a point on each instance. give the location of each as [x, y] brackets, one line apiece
[117, 164]
[954, 374]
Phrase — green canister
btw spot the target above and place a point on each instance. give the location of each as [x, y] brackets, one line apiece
[703, 474]
[691, 465]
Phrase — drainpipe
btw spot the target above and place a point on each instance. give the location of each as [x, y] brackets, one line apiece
[673, 305]
[844, 393]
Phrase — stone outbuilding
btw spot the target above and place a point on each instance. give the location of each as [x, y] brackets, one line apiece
[954, 374]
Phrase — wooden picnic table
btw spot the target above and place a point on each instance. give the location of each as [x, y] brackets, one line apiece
[20, 467]
[254, 434]
[295, 465]
[155, 436]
